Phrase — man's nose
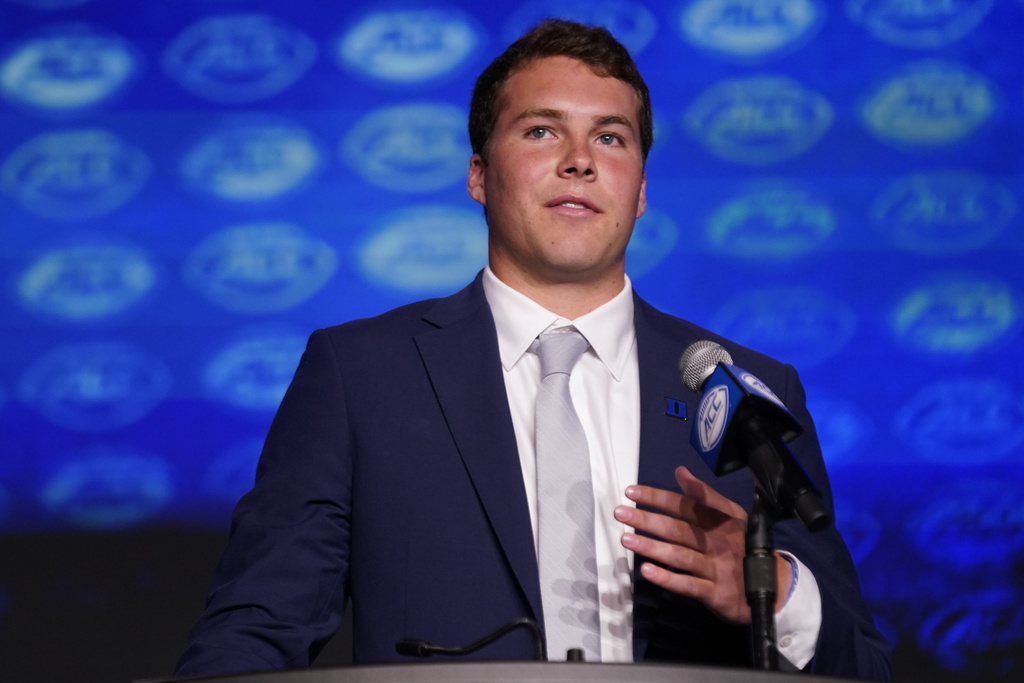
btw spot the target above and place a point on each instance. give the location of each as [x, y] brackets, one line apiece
[578, 161]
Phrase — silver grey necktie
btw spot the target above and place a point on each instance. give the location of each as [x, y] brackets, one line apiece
[565, 505]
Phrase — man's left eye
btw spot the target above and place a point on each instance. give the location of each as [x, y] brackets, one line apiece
[608, 139]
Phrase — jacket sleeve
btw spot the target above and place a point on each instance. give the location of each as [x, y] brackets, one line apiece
[280, 589]
[848, 644]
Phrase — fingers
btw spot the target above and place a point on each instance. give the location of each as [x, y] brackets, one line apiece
[703, 493]
[697, 535]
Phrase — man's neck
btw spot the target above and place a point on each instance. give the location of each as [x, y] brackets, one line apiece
[570, 299]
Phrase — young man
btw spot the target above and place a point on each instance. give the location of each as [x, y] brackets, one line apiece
[404, 469]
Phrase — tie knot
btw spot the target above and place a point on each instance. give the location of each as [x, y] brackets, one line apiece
[559, 351]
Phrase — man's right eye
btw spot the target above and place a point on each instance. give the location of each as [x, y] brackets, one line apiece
[538, 133]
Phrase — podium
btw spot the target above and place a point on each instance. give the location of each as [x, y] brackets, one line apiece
[512, 672]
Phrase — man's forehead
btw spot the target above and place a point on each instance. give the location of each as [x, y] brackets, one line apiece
[554, 62]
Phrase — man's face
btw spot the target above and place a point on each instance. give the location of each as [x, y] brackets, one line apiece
[564, 181]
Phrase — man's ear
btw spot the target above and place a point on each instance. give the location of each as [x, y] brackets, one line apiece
[641, 204]
[475, 179]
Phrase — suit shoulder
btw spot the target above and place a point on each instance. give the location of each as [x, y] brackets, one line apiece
[689, 332]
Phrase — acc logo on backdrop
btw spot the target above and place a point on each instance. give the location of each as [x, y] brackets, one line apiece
[653, 239]
[426, 248]
[260, 267]
[750, 30]
[74, 174]
[980, 631]
[956, 314]
[417, 147]
[918, 24]
[95, 386]
[109, 488]
[972, 420]
[239, 57]
[252, 161]
[631, 23]
[254, 372]
[758, 120]
[408, 45]
[973, 524]
[770, 224]
[86, 282]
[929, 104]
[796, 324]
[69, 67]
[943, 212]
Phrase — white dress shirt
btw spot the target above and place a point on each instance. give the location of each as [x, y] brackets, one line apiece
[605, 389]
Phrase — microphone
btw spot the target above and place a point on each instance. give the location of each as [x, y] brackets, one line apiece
[410, 647]
[741, 423]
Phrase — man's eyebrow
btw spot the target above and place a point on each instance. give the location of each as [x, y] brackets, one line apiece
[556, 114]
[613, 120]
[559, 115]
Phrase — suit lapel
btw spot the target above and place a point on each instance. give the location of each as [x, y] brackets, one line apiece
[664, 439]
[461, 358]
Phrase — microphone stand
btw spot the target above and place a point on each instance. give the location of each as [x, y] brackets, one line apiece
[759, 580]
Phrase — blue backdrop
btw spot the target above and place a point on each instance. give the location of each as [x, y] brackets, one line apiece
[188, 189]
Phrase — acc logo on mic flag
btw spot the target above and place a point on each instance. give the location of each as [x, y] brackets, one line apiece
[712, 414]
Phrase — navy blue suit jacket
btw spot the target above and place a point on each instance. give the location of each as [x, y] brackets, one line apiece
[391, 479]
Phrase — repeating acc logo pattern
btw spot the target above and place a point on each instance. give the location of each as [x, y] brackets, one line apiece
[408, 45]
[943, 212]
[929, 104]
[239, 57]
[416, 147]
[921, 25]
[426, 249]
[87, 282]
[70, 67]
[956, 314]
[771, 224]
[252, 161]
[758, 120]
[74, 174]
[631, 23]
[260, 267]
[95, 386]
[750, 30]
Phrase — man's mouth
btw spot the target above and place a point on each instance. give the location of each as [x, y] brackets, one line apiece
[571, 202]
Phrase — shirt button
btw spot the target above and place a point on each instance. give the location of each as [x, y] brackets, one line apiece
[786, 641]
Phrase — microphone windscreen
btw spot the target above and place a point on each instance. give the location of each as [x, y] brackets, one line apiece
[699, 360]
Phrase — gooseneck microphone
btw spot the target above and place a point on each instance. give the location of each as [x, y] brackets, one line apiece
[741, 423]
[423, 648]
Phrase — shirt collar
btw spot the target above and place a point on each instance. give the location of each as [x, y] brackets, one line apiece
[519, 319]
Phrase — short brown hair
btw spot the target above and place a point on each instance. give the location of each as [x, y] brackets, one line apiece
[593, 46]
